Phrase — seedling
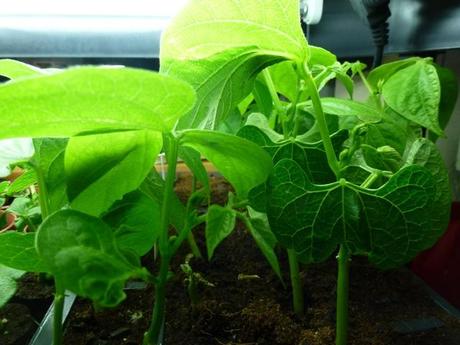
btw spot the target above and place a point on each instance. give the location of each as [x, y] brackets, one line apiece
[193, 280]
[338, 163]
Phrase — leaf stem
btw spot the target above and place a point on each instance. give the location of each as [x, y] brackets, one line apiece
[59, 295]
[296, 284]
[272, 89]
[152, 336]
[371, 90]
[343, 260]
[370, 180]
[58, 310]
[321, 121]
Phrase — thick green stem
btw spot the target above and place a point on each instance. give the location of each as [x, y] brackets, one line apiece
[59, 295]
[296, 283]
[58, 309]
[321, 121]
[152, 336]
[342, 296]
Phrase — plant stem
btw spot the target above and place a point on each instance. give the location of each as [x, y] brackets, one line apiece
[193, 246]
[59, 295]
[58, 309]
[151, 337]
[321, 121]
[297, 290]
[371, 90]
[343, 260]
[272, 89]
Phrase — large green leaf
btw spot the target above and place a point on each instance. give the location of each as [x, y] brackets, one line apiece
[206, 27]
[378, 76]
[13, 69]
[91, 99]
[102, 168]
[390, 224]
[414, 92]
[81, 253]
[243, 163]
[17, 250]
[311, 157]
[136, 221]
[426, 154]
[220, 222]
[285, 79]
[449, 94]
[8, 285]
[219, 48]
[49, 160]
[221, 82]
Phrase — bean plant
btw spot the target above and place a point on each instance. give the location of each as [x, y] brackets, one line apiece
[239, 85]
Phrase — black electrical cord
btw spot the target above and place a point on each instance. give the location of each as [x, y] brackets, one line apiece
[376, 13]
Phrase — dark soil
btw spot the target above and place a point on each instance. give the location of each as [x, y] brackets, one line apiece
[21, 316]
[257, 310]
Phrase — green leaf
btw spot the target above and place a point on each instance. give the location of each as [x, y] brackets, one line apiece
[449, 94]
[92, 99]
[136, 221]
[321, 56]
[243, 163]
[24, 181]
[426, 154]
[49, 160]
[265, 239]
[262, 96]
[192, 159]
[221, 82]
[80, 251]
[102, 168]
[378, 76]
[347, 107]
[17, 250]
[154, 186]
[414, 92]
[220, 51]
[205, 27]
[285, 79]
[390, 224]
[311, 157]
[13, 69]
[220, 222]
[8, 285]
[261, 122]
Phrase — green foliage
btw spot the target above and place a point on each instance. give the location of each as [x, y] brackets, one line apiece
[314, 219]
[136, 221]
[81, 252]
[220, 222]
[91, 99]
[8, 285]
[102, 168]
[421, 104]
[220, 52]
[13, 69]
[232, 156]
[17, 250]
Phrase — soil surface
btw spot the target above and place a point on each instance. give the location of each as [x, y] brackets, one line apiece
[21, 316]
[256, 310]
